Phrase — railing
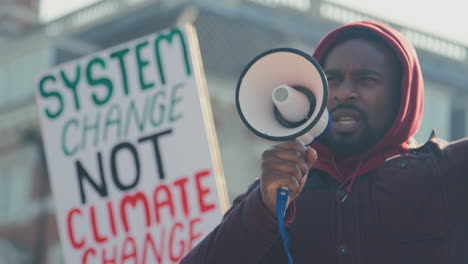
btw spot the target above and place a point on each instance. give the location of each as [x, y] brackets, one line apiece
[419, 39]
[91, 14]
[328, 10]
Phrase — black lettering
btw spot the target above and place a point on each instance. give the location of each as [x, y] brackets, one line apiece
[83, 175]
[115, 173]
[157, 153]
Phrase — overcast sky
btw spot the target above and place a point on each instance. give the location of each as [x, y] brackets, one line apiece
[445, 18]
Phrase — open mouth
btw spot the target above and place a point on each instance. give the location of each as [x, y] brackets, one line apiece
[346, 120]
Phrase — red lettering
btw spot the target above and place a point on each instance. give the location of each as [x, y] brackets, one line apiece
[89, 251]
[105, 260]
[158, 245]
[149, 242]
[76, 244]
[97, 237]
[110, 210]
[133, 250]
[133, 199]
[192, 236]
[202, 192]
[163, 188]
[176, 259]
[181, 184]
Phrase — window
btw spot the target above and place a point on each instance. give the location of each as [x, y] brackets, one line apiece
[437, 109]
[17, 168]
[459, 125]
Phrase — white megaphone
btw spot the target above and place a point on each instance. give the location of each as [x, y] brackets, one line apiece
[282, 95]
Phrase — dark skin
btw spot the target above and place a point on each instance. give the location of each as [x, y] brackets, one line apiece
[364, 83]
[363, 101]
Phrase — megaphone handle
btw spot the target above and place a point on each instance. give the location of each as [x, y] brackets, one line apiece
[282, 195]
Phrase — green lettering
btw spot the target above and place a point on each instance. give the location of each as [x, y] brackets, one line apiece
[103, 82]
[65, 133]
[132, 114]
[160, 94]
[55, 94]
[141, 63]
[90, 127]
[72, 84]
[112, 120]
[175, 100]
[169, 38]
[123, 70]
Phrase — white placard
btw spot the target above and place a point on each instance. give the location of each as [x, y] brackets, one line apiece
[131, 151]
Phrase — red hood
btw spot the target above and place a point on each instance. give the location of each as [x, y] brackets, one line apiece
[407, 122]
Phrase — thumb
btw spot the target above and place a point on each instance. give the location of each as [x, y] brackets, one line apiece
[311, 157]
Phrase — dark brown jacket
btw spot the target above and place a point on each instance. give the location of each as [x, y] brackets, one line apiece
[412, 209]
[393, 203]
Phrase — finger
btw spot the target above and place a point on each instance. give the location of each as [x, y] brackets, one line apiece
[311, 158]
[304, 180]
[293, 145]
[274, 180]
[284, 154]
[298, 170]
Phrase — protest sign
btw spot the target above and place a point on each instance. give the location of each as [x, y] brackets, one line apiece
[131, 151]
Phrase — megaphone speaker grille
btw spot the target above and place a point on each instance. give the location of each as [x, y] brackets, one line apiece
[292, 123]
[281, 66]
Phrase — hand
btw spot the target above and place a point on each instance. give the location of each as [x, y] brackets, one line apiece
[286, 164]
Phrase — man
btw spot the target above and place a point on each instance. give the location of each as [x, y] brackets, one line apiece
[366, 192]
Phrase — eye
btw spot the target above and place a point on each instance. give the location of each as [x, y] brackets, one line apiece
[368, 80]
[332, 78]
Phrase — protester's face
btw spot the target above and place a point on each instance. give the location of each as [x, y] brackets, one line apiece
[364, 88]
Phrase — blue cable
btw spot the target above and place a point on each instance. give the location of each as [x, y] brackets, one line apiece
[281, 200]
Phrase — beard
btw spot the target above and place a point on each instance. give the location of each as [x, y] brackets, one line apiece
[352, 143]
[349, 144]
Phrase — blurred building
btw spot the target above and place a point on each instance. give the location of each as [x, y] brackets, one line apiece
[27, 230]
[231, 33]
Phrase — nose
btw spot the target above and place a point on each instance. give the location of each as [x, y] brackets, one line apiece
[345, 91]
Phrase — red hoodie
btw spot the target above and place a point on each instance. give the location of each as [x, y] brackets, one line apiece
[409, 209]
[397, 139]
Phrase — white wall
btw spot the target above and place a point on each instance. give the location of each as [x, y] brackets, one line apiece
[437, 111]
[240, 149]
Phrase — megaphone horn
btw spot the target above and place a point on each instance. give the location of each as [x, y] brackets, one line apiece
[282, 94]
